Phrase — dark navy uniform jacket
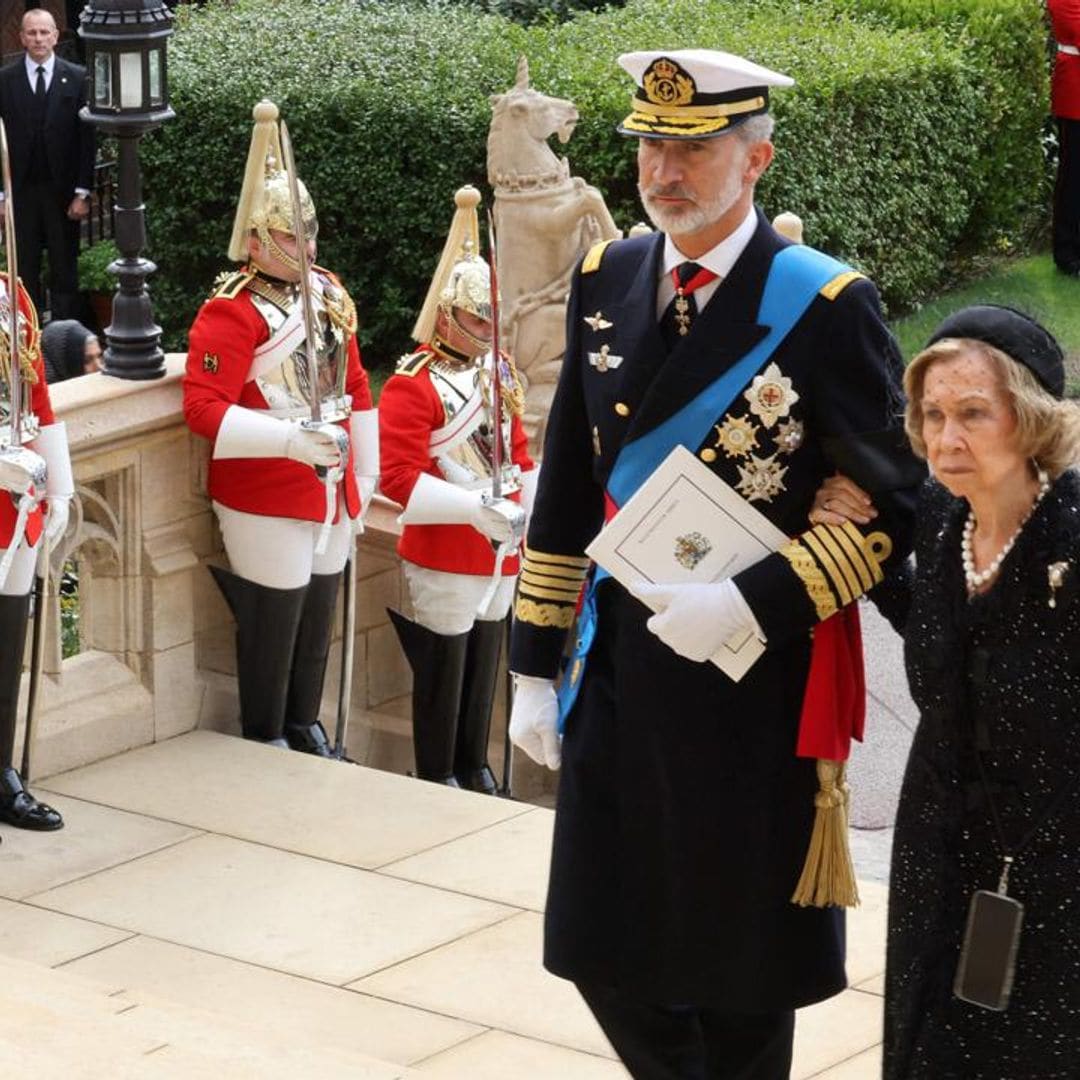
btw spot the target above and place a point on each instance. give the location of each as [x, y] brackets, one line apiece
[683, 813]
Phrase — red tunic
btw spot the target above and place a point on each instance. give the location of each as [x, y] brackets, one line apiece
[221, 348]
[410, 409]
[1065, 85]
[41, 407]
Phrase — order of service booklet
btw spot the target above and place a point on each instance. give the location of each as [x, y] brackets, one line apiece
[685, 524]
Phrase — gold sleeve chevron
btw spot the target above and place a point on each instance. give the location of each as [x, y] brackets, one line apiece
[837, 564]
[549, 587]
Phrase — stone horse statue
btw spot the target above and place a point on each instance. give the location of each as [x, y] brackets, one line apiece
[545, 220]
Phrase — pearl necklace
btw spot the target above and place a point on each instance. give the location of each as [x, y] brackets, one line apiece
[974, 579]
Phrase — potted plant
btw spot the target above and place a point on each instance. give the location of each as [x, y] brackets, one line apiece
[96, 280]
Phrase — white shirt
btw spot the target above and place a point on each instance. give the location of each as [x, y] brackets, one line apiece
[31, 71]
[719, 260]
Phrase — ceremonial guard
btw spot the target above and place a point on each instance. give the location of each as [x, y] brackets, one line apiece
[35, 471]
[274, 381]
[455, 455]
[686, 804]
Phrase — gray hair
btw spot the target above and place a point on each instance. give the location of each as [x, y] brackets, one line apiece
[757, 128]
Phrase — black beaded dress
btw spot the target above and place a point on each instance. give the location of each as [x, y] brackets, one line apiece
[1000, 671]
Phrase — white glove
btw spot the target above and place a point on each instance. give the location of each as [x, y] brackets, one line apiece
[695, 619]
[438, 502]
[57, 518]
[534, 720]
[364, 435]
[314, 446]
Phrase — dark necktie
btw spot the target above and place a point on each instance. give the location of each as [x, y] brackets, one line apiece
[39, 89]
[679, 315]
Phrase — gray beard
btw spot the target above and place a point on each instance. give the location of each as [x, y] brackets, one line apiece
[692, 219]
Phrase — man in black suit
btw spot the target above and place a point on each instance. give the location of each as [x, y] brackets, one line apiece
[52, 160]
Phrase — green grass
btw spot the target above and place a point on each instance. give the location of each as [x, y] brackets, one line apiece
[1031, 285]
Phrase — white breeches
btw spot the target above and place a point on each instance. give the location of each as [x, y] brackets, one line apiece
[21, 572]
[447, 603]
[280, 552]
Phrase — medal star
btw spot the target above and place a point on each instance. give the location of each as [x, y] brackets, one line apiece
[789, 436]
[737, 436]
[771, 395]
[761, 479]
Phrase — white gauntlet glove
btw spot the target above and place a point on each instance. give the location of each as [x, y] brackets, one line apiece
[438, 502]
[323, 446]
[534, 720]
[697, 620]
[251, 433]
[51, 443]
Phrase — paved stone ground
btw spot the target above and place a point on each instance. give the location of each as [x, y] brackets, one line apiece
[877, 764]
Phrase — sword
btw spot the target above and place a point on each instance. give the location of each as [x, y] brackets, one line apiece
[347, 639]
[15, 373]
[496, 381]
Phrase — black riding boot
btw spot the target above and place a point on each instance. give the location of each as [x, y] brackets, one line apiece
[267, 621]
[302, 727]
[477, 696]
[438, 665]
[17, 806]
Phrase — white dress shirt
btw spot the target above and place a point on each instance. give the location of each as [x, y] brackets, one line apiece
[31, 71]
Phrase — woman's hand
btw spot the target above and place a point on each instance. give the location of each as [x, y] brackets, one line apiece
[840, 499]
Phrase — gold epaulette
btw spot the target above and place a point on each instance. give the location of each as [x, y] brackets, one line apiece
[413, 363]
[230, 283]
[832, 289]
[591, 262]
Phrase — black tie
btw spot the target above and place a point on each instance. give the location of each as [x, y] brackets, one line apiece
[679, 314]
[39, 89]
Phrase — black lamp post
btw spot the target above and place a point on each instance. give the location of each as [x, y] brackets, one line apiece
[125, 58]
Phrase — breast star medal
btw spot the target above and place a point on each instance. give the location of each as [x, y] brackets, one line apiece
[771, 395]
[761, 479]
[789, 436]
[736, 436]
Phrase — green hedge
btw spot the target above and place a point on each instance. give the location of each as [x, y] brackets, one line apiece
[882, 144]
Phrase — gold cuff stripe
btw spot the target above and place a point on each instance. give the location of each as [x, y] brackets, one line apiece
[591, 262]
[840, 557]
[832, 289]
[543, 614]
[532, 555]
[540, 581]
[830, 567]
[650, 125]
[857, 542]
[870, 549]
[563, 573]
[550, 594]
[652, 110]
[817, 588]
[856, 559]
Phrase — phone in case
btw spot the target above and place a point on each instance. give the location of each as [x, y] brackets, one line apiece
[984, 975]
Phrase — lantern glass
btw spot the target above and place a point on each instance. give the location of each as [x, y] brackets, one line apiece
[131, 81]
[154, 65]
[103, 92]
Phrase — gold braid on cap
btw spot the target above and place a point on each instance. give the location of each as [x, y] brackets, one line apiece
[462, 279]
[264, 197]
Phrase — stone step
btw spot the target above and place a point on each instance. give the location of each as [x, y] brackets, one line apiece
[55, 1025]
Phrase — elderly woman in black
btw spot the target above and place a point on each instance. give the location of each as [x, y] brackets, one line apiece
[991, 796]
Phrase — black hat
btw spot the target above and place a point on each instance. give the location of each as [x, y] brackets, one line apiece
[63, 347]
[1015, 334]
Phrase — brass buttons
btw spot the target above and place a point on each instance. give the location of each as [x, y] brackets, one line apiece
[708, 454]
[622, 408]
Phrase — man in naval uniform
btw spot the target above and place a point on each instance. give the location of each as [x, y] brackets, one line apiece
[684, 813]
[288, 492]
[459, 547]
[25, 531]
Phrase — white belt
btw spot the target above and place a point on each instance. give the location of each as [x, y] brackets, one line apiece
[1072, 50]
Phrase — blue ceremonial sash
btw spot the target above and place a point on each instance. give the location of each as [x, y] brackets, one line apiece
[797, 274]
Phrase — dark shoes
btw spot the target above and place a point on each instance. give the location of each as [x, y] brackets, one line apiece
[309, 739]
[19, 808]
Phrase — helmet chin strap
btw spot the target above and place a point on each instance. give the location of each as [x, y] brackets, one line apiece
[276, 252]
[472, 339]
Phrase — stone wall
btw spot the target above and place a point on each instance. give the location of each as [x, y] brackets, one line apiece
[156, 636]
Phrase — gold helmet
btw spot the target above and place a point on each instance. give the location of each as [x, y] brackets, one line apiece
[264, 198]
[462, 279]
